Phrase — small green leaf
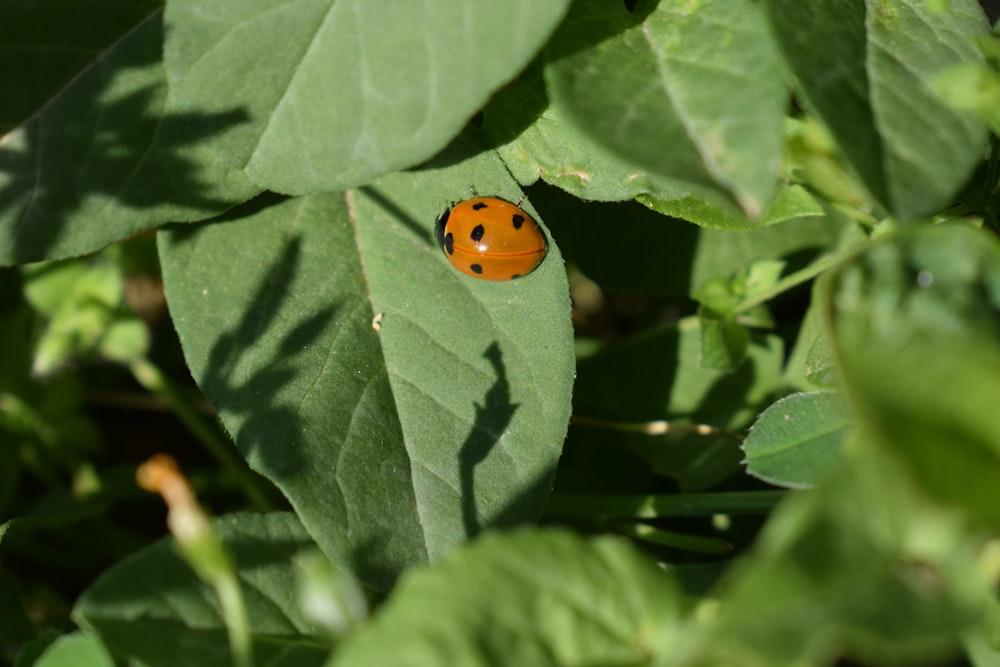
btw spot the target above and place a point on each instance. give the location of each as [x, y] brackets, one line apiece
[759, 276]
[531, 598]
[688, 91]
[125, 339]
[723, 341]
[821, 365]
[716, 294]
[867, 69]
[798, 440]
[153, 608]
[80, 317]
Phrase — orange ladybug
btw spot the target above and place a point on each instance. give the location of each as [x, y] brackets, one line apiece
[490, 239]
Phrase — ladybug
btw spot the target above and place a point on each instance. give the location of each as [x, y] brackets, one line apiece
[490, 239]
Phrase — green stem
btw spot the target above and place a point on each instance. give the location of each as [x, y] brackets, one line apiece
[654, 428]
[669, 538]
[645, 506]
[156, 382]
[793, 279]
[234, 614]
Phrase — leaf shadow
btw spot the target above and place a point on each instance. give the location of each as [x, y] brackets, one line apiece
[492, 419]
[101, 144]
[397, 214]
[269, 434]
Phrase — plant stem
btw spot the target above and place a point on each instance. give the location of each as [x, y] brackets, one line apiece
[792, 279]
[655, 427]
[669, 538]
[646, 506]
[156, 382]
[235, 616]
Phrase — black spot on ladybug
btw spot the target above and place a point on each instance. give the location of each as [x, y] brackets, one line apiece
[476, 268]
[518, 220]
[449, 244]
[477, 233]
[439, 227]
[479, 206]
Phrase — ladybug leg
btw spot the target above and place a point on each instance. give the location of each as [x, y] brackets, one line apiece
[520, 201]
[473, 189]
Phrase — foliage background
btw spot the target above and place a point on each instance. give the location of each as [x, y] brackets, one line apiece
[743, 413]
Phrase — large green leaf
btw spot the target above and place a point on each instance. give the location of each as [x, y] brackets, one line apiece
[45, 43]
[539, 141]
[400, 405]
[692, 91]
[339, 92]
[153, 608]
[867, 68]
[916, 324]
[863, 565]
[100, 160]
[530, 598]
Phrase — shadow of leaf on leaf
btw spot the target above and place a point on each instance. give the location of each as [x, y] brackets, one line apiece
[101, 160]
[492, 419]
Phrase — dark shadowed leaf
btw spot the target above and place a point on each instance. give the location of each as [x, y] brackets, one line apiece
[153, 608]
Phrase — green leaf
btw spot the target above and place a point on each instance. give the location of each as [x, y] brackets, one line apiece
[798, 440]
[867, 68]
[125, 339]
[863, 566]
[821, 365]
[75, 650]
[15, 626]
[691, 92]
[916, 324]
[394, 438]
[539, 141]
[80, 316]
[100, 160]
[658, 375]
[723, 341]
[714, 212]
[152, 607]
[529, 598]
[338, 93]
[721, 254]
[45, 43]
[972, 87]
